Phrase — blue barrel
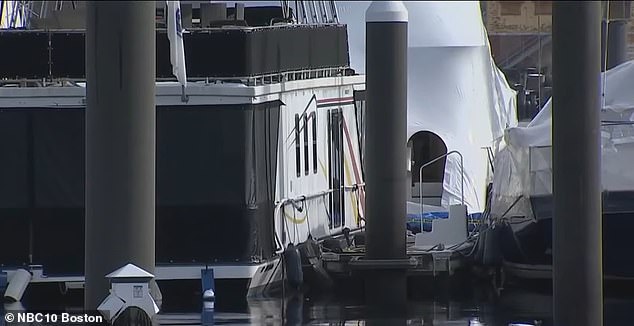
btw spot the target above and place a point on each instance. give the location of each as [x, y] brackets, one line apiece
[208, 284]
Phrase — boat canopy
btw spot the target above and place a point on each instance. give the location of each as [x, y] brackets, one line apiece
[523, 169]
[455, 90]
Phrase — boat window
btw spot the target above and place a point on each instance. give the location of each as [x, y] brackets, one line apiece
[427, 146]
[298, 164]
[359, 108]
[313, 117]
[424, 147]
[335, 149]
[306, 161]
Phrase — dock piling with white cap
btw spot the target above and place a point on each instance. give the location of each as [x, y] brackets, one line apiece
[386, 131]
[120, 140]
[576, 152]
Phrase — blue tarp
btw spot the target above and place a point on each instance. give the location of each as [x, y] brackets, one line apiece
[413, 220]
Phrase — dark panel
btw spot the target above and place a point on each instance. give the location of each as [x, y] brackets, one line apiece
[58, 240]
[296, 51]
[199, 156]
[335, 167]
[14, 234]
[204, 234]
[530, 245]
[68, 64]
[14, 163]
[297, 48]
[207, 53]
[216, 173]
[329, 47]
[617, 221]
[59, 157]
[24, 55]
[215, 189]
[261, 47]
[218, 52]
[618, 202]
[617, 261]
[613, 202]
[163, 63]
[359, 95]
[261, 176]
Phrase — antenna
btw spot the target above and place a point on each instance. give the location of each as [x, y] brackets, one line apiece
[323, 11]
[539, 64]
[300, 7]
[314, 12]
[285, 9]
[605, 55]
[335, 14]
[19, 14]
[1, 12]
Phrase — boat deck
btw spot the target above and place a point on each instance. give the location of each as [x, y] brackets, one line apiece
[421, 262]
[162, 273]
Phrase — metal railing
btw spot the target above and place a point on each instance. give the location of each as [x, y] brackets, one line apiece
[420, 180]
[259, 80]
[490, 157]
[279, 205]
[287, 201]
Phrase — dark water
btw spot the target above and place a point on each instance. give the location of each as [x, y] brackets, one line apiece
[513, 307]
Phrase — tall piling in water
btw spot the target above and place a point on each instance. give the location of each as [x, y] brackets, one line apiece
[614, 49]
[120, 140]
[614, 33]
[386, 132]
[577, 235]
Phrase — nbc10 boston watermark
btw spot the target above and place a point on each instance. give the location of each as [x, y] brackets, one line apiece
[53, 318]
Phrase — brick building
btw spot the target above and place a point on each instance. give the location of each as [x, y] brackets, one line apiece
[530, 18]
[520, 37]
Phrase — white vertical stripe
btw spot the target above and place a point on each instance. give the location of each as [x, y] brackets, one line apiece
[175, 35]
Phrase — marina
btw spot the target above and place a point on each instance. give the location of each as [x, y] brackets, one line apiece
[313, 162]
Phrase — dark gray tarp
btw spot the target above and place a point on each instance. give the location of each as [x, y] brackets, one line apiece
[244, 52]
[13, 159]
[262, 129]
[42, 161]
[216, 177]
[216, 183]
[58, 149]
[194, 146]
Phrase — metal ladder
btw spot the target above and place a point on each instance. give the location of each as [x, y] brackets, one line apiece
[420, 180]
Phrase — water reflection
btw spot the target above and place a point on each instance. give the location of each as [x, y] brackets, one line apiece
[513, 308]
[521, 309]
